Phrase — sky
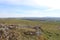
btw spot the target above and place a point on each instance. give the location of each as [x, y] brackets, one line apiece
[29, 8]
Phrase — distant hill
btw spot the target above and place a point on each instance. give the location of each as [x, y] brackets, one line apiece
[42, 18]
[35, 18]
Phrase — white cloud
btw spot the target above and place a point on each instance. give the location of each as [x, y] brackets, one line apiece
[25, 14]
[55, 4]
[30, 13]
[52, 4]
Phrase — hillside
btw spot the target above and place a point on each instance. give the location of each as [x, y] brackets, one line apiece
[50, 30]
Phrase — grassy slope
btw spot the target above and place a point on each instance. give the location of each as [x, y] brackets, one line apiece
[51, 29]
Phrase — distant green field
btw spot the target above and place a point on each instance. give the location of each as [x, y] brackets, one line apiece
[51, 29]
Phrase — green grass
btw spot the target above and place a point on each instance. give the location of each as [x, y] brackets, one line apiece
[51, 29]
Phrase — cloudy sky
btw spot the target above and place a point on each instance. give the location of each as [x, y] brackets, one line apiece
[29, 8]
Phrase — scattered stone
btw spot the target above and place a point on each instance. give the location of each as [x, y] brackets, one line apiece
[30, 33]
